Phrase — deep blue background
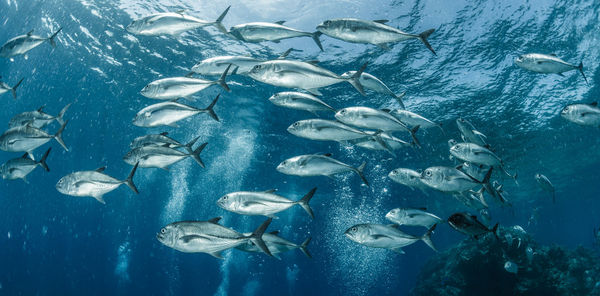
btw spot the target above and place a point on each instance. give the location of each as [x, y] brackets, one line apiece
[53, 244]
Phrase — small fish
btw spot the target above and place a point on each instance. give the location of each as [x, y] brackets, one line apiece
[27, 138]
[413, 217]
[511, 267]
[324, 130]
[302, 75]
[371, 82]
[261, 31]
[470, 134]
[381, 141]
[209, 237]
[547, 64]
[370, 32]
[265, 203]
[448, 179]
[19, 168]
[300, 101]
[157, 140]
[546, 185]
[5, 88]
[476, 154]
[180, 87]
[276, 245]
[469, 225]
[162, 156]
[242, 64]
[582, 114]
[318, 165]
[168, 113]
[93, 183]
[386, 237]
[369, 118]
[412, 119]
[407, 177]
[24, 43]
[38, 118]
[172, 23]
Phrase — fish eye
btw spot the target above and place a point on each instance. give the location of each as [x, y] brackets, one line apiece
[296, 124]
[428, 173]
[354, 229]
[163, 231]
[343, 112]
[394, 171]
[225, 197]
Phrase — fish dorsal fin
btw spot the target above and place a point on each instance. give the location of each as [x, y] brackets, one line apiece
[101, 169]
[459, 167]
[313, 62]
[285, 54]
[386, 110]
[393, 225]
[381, 21]
[595, 104]
[26, 155]
[214, 220]
[164, 133]
[40, 109]
[553, 54]
[270, 191]
[30, 32]
[280, 22]
[276, 232]
[181, 11]
[423, 209]
[327, 154]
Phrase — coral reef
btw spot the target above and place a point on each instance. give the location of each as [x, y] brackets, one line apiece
[477, 267]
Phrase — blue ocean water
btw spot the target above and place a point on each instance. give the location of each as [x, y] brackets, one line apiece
[53, 244]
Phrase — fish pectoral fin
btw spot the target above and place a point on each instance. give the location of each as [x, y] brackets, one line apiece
[479, 133]
[188, 238]
[99, 198]
[215, 220]
[217, 254]
[173, 125]
[275, 41]
[560, 74]
[314, 91]
[25, 180]
[383, 46]
[398, 250]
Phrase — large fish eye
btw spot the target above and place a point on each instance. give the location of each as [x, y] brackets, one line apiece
[354, 229]
[343, 111]
[284, 162]
[163, 231]
[296, 124]
[225, 197]
[395, 172]
[427, 173]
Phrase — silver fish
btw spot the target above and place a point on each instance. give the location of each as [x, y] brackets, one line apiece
[93, 183]
[381, 141]
[386, 237]
[325, 130]
[180, 87]
[300, 101]
[172, 23]
[369, 118]
[24, 43]
[318, 165]
[469, 225]
[476, 154]
[407, 177]
[209, 237]
[448, 179]
[13, 89]
[156, 140]
[276, 245]
[412, 119]
[370, 32]
[27, 138]
[261, 31]
[582, 114]
[168, 113]
[37, 118]
[161, 156]
[371, 82]
[413, 217]
[242, 64]
[303, 75]
[19, 168]
[265, 203]
[470, 134]
[547, 64]
[546, 185]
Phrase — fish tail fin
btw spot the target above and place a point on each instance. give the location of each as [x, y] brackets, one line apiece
[219, 22]
[399, 99]
[413, 132]
[14, 88]
[304, 249]
[61, 114]
[129, 180]
[315, 36]
[221, 80]
[426, 238]
[196, 153]
[423, 37]
[58, 135]
[210, 109]
[495, 231]
[355, 79]
[51, 39]
[256, 237]
[479, 195]
[305, 200]
[360, 170]
[580, 68]
[42, 161]
[488, 176]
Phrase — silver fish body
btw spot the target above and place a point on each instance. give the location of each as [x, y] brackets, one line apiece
[582, 114]
[546, 64]
[19, 168]
[469, 133]
[384, 236]
[317, 165]
[175, 87]
[217, 65]
[476, 154]
[276, 245]
[24, 43]
[171, 23]
[369, 118]
[447, 179]
[265, 203]
[300, 101]
[261, 31]
[407, 177]
[27, 138]
[325, 130]
[168, 113]
[412, 217]
[38, 118]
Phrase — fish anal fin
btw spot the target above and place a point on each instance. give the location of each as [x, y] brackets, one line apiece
[270, 191]
[218, 255]
[315, 91]
[215, 220]
[100, 198]
[280, 22]
[100, 169]
[398, 250]
[381, 21]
